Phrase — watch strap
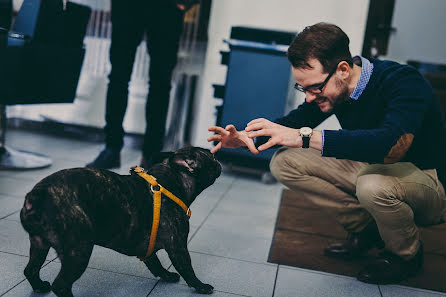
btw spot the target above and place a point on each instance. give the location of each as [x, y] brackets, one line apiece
[305, 141]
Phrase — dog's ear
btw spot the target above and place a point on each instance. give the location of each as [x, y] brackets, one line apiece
[160, 157]
[189, 164]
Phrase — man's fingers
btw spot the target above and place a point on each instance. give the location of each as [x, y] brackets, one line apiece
[231, 129]
[257, 133]
[267, 145]
[218, 130]
[255, 126]
[255, 121]
[252, 147]
[215, 137]
[216, 148]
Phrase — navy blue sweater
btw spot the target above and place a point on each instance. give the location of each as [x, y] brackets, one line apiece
[397, 108]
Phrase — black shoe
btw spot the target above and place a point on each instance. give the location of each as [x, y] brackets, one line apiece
[107, 159]
[391, 269]
[356, 244]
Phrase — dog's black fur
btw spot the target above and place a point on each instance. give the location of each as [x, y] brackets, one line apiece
[74, 209]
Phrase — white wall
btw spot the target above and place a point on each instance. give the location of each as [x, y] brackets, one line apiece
[420, 31]
[289, 15]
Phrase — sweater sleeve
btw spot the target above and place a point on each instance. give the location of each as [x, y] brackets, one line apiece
[305, 115]
[406, 97]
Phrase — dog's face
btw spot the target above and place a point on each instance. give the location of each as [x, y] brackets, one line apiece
[197, 162]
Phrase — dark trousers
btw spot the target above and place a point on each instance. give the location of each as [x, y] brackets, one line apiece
[162, 23]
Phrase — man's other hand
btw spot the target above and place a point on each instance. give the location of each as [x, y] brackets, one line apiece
[279, 135]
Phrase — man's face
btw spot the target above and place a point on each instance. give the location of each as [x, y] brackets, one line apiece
[333, 93]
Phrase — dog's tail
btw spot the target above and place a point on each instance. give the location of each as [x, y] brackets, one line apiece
[30, 210]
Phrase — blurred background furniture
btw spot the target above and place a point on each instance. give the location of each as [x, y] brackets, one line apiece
[258, 84]
[41, 57]
[436, 76]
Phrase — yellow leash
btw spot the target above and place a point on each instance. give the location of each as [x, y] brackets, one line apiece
[157, 205]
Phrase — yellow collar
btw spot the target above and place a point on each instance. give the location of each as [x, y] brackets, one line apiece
[157, 205]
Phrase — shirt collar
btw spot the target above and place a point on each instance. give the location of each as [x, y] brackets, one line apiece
[366, 73]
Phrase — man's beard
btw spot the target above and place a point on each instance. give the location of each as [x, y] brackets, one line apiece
[344, 95]
[330, 104]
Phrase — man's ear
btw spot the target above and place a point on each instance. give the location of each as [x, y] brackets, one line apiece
[344, 69]
[161, 156]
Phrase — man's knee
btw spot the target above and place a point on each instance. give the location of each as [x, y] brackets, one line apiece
[276, 163]
[287, 164]
[374, 189]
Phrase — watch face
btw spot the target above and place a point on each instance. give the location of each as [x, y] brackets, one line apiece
[305, 131]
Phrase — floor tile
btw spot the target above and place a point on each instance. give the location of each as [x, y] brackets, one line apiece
[163, 289]
[14, 239]
[15, 216]
[11, 271]
[9, 205]
[397, 291]
[109, 260]
[304, 283]
[267, 196]
[53, 146]
[34, 176]
[93, 283]
[232, 276]
[15, 187]
[203, 205]
[244, 222]
[230, 244]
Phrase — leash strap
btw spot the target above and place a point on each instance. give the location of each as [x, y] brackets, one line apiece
[157, 205]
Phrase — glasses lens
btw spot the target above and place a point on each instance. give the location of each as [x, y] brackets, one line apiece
[314, 90]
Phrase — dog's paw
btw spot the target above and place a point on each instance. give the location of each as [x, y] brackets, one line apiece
[205, 289]
[43, 287]
[171, 277]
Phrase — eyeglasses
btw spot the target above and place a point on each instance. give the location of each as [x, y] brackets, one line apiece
[315, 89]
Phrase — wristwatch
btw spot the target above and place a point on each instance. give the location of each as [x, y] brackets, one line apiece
[305, 133]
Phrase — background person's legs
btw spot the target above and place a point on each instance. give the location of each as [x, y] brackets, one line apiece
[127, 32]
[164, 28]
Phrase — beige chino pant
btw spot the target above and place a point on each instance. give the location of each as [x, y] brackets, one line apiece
[397, 196]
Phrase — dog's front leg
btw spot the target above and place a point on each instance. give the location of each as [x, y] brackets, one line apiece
[179, 255]
[155, 267]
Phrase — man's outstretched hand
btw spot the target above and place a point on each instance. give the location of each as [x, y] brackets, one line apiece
[230, 138]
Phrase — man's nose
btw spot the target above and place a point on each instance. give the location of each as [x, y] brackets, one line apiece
[309, 97]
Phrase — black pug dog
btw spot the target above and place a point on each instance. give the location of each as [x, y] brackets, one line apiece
[74, 209]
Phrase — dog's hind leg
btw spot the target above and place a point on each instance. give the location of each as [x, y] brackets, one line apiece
[74, 262]
[37, 255]
[155, 267]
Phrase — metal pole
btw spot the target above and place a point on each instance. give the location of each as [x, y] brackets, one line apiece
[3, 123]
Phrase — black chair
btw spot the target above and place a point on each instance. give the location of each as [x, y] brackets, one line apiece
[435, 74]
[40, 62]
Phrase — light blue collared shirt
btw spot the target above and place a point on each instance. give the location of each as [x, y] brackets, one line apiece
[366, 73]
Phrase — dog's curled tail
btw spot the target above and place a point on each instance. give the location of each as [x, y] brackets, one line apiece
[30, 208]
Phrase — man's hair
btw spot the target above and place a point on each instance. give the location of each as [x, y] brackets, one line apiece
[325, 42]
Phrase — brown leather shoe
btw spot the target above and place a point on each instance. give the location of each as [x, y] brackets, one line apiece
[391, 269]
[356, 244]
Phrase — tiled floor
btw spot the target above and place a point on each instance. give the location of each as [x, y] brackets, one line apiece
[232, 225]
